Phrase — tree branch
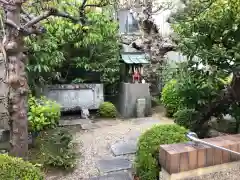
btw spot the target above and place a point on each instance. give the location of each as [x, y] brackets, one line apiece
[24, 18]
[214, 108]
[26, 14]
[96, 5]
[4, 2]
[162, 7]
[51, 12]
[38, 19]
[83, 5]
[12, 24]
[29, 28]
[25, 31]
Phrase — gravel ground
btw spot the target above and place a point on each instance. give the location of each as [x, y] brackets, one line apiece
[95, 144]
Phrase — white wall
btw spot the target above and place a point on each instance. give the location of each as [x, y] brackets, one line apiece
[162, 16]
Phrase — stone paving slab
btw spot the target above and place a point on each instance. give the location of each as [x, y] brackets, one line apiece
[123, 148]
[113, 164]
[72, 122]
[85, 124]
[89, 126]
[135, 135]
[114, 176]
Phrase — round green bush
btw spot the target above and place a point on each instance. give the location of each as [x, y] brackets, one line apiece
[43, 113]
[146, 163]
[15, 168]
[170, 97]
[107, 110]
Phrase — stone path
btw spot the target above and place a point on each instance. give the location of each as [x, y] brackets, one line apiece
[108, 148]
[109, 165]
[123, 148]
[114, 176]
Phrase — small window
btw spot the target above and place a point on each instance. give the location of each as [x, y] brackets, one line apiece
[127, 22]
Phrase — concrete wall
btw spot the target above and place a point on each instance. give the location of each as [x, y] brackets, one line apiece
[128, 95]
[76, 96]
[3, 96]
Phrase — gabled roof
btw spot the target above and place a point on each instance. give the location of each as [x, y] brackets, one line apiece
[135, 58]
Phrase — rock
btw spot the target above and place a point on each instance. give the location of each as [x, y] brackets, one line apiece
[213, 133]
[114, 164]
[228, 117]
[123, 148]
[85, 113]
[3, 151]
[114, 176]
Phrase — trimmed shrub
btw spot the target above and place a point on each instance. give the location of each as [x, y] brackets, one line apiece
[107, 110]
[170, 97]
[43, 113]
[185, 117]
[15, 168]
[56, 149]
[146, 163]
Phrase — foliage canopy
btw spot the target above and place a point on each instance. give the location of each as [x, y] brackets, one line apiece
[67, 48]
[208, 33]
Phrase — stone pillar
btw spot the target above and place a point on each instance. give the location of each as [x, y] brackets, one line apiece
[3, 96]
[128, 98]
[141, 107]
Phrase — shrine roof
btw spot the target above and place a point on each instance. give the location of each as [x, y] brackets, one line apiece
[135, 58]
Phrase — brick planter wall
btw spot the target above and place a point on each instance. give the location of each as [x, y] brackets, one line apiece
[185, 160]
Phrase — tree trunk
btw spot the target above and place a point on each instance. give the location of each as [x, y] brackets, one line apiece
[226, 98]
[17, 81]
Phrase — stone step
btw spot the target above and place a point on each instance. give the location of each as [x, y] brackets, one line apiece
[89, 126]
[85, 124]
[114, 164]
[4, 146]
[114, 176]
[124, 147]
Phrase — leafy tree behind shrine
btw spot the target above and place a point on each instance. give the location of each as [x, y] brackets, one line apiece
[208, 33]
[67, 50]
